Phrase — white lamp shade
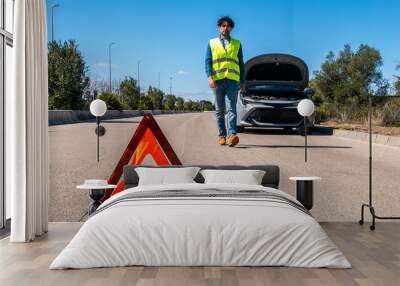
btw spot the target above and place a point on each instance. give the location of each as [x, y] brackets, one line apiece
[305, 107]
[98, 107]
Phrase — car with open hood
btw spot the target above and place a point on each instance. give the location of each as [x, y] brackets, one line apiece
[274, 85]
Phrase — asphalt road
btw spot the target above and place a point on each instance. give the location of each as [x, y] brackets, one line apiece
[341, 163]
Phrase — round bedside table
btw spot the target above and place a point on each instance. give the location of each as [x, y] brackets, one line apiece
[304, 190]
[95, 193]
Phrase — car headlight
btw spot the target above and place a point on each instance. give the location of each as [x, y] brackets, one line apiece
[309, 92]
[243, 100]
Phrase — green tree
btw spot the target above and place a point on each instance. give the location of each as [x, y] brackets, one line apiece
[169, 103]
[188, 105]
[129, 93]
[206, 105]
[179, 104]
[345, 81]
[156, 96]
[195, 106]
[323, 109]
[111, 101]
[67, 76]
[397, 82]
[145, 103]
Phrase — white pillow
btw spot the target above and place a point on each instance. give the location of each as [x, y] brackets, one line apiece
[164, 176]
[248, 177]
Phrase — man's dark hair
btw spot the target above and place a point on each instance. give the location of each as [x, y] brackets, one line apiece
[225, 19]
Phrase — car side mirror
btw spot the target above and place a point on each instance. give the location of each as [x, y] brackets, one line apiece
[308, 92]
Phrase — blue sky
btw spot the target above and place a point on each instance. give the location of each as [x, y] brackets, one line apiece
[170, 37]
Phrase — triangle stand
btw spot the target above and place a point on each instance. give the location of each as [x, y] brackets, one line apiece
[147, 139]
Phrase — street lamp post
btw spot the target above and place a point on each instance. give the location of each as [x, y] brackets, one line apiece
[52, 20]
[170, 85]
[138, 74]
[109, 62]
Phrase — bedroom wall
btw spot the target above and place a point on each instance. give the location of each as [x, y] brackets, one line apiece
[163, 45]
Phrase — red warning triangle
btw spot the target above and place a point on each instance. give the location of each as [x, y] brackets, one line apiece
[147, 140]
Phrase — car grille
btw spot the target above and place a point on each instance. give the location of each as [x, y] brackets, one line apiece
[276, 116]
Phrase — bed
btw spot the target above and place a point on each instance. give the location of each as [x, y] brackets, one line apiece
[199, 224]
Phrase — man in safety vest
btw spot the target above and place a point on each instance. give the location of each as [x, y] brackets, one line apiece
[225, 71]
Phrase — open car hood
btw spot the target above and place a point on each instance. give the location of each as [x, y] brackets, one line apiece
[276, 69]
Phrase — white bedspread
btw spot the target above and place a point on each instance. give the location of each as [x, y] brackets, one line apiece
[200, 231]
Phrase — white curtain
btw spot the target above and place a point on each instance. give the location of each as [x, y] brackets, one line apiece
[27, 123]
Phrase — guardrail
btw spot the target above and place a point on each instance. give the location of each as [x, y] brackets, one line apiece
[58, 117]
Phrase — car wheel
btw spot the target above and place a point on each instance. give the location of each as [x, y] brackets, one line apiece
[239, 129]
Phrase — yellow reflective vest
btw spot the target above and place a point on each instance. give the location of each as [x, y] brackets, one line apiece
[225, 63]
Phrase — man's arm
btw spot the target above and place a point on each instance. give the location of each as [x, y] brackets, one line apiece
[208, 66]
[208, 61]
[241, 64]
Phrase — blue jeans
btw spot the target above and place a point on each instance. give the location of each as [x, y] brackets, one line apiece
[230, 88]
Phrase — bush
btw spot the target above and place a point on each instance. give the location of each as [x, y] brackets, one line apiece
[111, 101]
[322, 113]
[169, 102]
[389, 114]
[145, 103]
